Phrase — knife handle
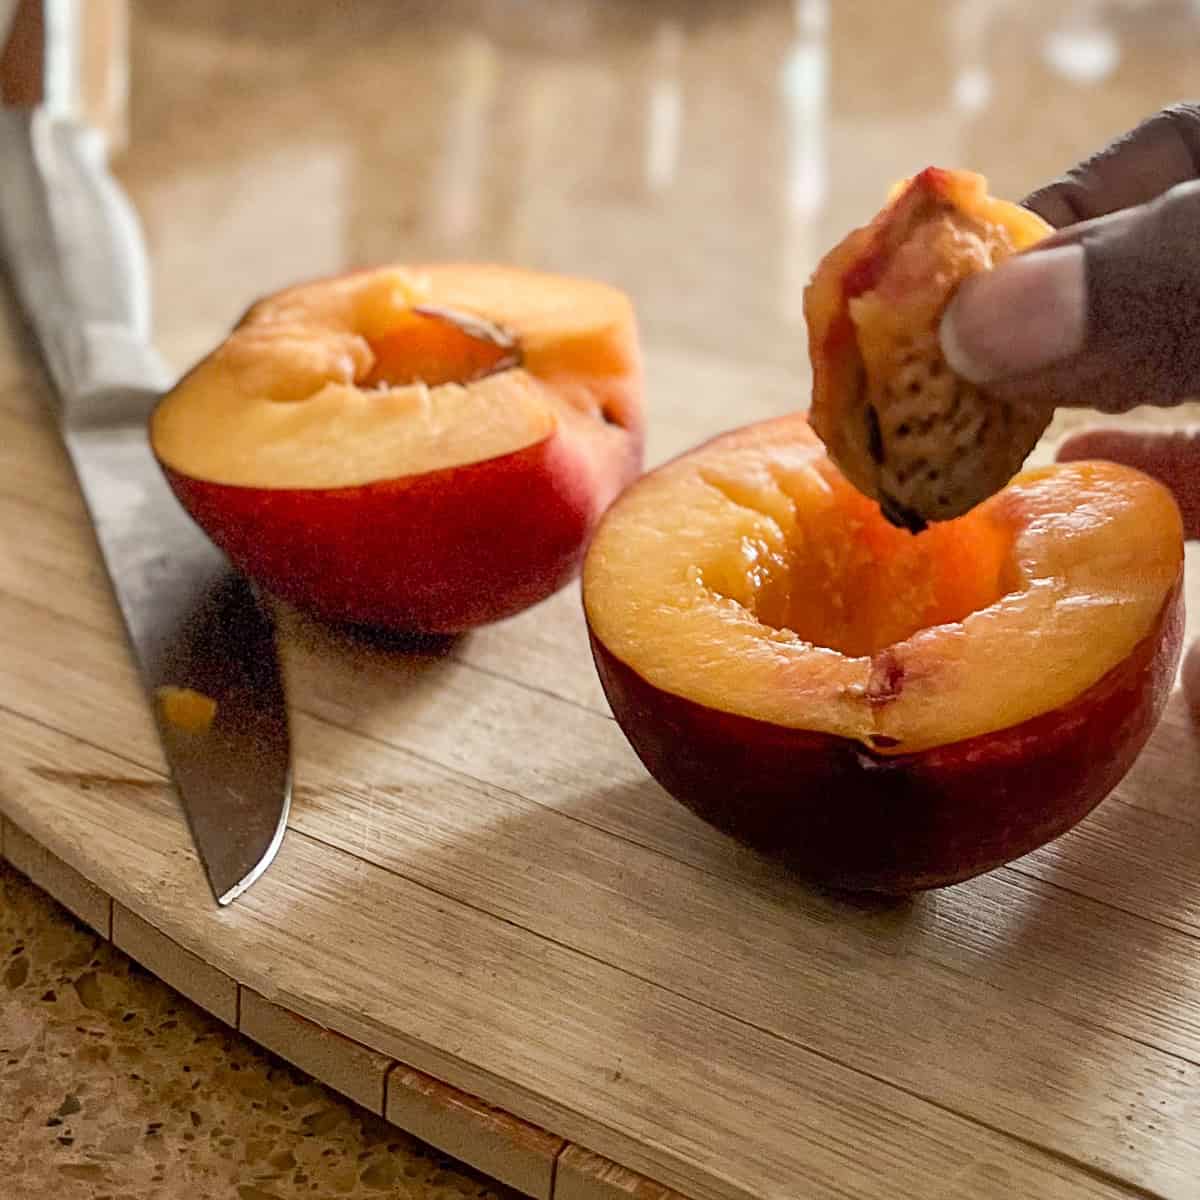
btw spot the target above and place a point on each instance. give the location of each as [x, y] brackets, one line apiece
[74, 252]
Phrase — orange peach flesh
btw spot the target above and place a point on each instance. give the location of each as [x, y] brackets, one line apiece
[438, 346]
[751, 578]
[343, 383]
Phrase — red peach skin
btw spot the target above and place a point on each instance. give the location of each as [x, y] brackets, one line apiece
[433, 552]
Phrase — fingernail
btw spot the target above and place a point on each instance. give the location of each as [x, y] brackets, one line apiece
[1028, 313]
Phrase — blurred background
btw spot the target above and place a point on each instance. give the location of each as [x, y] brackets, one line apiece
[700, 153]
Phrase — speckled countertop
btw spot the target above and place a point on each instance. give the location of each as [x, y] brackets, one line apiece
[113, 1087]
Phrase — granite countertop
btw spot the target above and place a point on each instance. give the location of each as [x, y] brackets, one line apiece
[113, 1087]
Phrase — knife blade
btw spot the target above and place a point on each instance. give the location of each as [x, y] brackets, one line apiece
[73, 251]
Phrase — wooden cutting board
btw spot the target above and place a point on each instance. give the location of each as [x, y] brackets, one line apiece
[480, 884]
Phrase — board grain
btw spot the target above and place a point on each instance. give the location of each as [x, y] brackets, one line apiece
[480, 883]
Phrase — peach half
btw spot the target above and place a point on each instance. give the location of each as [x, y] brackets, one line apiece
[414, 448]
[885, 711]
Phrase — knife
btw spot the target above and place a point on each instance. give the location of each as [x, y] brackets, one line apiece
[73, 252]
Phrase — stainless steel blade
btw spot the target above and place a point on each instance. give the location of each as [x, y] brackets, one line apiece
[73, 252]
[197, 624]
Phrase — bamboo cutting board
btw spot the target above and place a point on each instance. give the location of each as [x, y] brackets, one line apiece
[480, 884]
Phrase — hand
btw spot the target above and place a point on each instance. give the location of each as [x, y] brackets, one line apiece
[1106, 312]
[1103, 313]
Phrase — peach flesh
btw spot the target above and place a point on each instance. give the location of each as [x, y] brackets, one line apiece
[916, 755]
[859, 594]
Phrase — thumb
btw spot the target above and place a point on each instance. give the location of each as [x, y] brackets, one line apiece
[1103, 314]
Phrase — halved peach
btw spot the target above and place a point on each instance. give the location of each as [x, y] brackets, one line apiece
[423, 448]
[886, 711]
[899, 423]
